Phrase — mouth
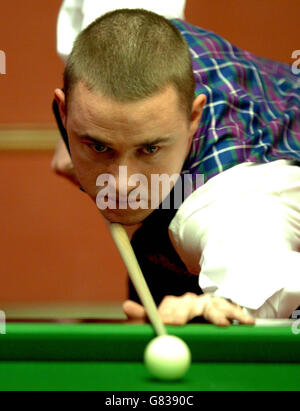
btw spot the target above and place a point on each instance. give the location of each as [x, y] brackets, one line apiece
[112, 203]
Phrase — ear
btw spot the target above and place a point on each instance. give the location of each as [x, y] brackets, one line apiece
[60, 99]
[197, 110]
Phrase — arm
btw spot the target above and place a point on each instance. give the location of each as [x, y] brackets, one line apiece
[243, 236]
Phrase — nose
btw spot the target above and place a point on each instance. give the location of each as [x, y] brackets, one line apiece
[121, 174]
[122, 187]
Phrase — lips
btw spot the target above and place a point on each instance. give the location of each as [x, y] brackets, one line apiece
[115, 200]
[121, 200]
[107, 201]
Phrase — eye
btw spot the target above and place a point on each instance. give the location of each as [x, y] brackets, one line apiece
[98, 148]
[150, 149]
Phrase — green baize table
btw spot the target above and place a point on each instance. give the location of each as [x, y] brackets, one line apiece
[108, 356]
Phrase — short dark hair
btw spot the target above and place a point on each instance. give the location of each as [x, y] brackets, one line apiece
[129, 55]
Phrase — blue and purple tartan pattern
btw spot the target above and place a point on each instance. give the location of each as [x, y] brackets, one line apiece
[253, 105]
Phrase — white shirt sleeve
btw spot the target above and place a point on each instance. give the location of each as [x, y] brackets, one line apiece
[69, 25]
[241, 231]
[75, 15]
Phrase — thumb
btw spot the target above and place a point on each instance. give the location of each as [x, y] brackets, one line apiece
[134, 310]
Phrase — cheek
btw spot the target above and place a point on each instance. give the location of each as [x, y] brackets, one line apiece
[86, 169]
[176, 157]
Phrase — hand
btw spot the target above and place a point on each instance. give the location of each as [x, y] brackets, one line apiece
[180, 310]
[62, 164]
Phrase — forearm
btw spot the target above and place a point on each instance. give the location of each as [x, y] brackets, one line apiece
[242, 232]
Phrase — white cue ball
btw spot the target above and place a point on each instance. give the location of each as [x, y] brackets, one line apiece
[167, 357]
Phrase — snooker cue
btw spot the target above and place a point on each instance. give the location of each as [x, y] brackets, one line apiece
[123, 244]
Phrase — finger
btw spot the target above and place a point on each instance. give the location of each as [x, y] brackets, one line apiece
[216, 316]
[166, 308]
[237, 313]
[233, 311]
[176, 310]
[134, 310]
[213, 309]
[222, 312]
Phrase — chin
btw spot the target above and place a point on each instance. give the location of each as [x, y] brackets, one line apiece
[126, 217]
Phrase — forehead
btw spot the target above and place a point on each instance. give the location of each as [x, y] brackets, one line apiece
[89, 107]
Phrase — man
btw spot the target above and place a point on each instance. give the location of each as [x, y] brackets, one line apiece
[130, 101]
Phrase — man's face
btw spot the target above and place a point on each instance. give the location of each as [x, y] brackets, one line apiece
[151, 136]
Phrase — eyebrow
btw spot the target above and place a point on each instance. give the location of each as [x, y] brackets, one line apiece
[147, 142]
